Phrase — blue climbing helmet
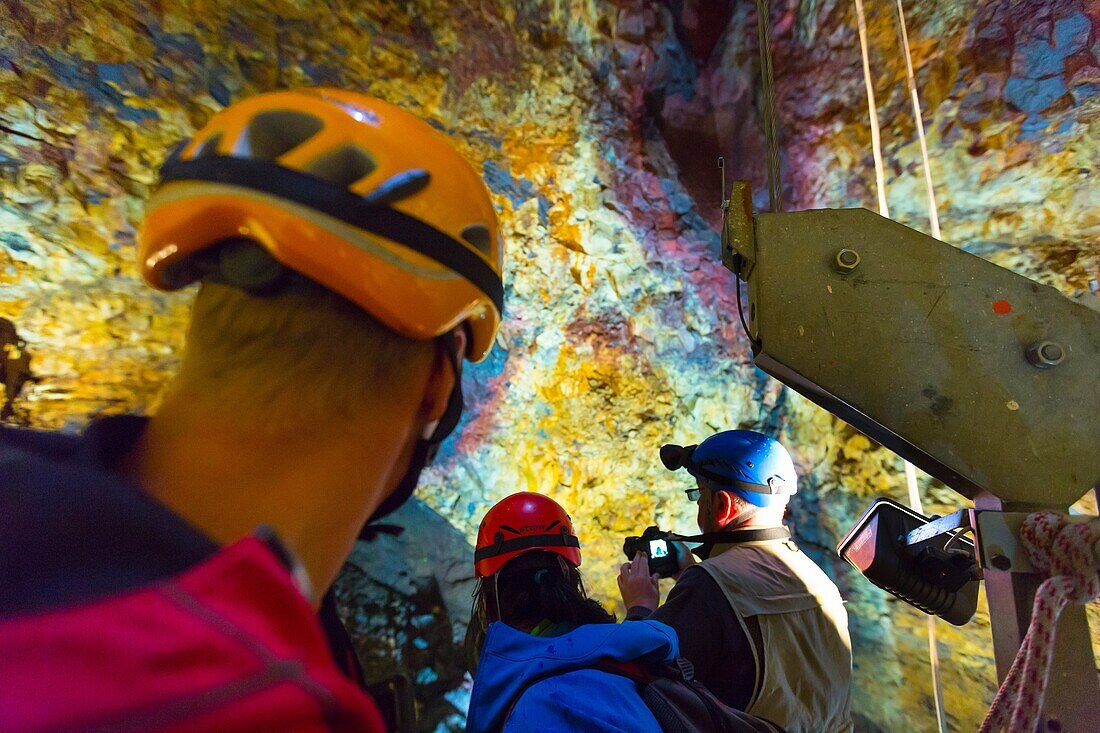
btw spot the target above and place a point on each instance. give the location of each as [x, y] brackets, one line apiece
[744, 462]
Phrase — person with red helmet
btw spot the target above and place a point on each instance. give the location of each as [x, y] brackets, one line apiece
[164, 573]
[535, 640]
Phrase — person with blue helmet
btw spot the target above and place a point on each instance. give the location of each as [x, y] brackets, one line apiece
[764, 626]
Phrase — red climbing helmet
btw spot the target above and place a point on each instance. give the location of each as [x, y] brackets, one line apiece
[520, 523]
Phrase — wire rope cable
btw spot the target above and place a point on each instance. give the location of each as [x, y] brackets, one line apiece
[933, 212]
[934, 225]
[768, 109]
[872, 111]
[880, 180]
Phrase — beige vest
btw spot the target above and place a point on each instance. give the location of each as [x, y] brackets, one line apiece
[807, 653]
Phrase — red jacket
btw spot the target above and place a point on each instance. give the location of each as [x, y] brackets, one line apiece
[115, 615]
[230, 645]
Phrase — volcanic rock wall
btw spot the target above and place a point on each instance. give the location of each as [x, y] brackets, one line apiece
[597, 126]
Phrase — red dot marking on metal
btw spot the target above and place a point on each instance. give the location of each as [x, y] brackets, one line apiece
[1002, 307]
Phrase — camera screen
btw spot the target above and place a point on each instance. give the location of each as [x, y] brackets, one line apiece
[658, 548]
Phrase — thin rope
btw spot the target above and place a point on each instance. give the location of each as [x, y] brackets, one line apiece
[910, 472]
[933, 647]
[884, 210]
[933, 212]
[767, 85]
[872, 111]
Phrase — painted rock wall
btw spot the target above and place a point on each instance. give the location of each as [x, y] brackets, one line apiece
[597, 125]
[406, 600]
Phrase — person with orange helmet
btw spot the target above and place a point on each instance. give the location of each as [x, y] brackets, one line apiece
[165, 572]
[537, 644]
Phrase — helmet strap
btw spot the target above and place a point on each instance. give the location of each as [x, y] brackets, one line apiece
[496, 595]
[455, 403]
[417, 461]
[426, 448]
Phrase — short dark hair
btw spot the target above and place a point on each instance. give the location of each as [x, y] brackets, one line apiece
[290, 356]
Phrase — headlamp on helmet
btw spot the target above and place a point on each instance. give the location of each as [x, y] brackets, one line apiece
[751, 465]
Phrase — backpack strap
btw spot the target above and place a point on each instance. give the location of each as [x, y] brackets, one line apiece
[622, 669]
[680, 670]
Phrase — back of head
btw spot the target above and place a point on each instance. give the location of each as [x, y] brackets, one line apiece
[291, 359]
[336, 237]
[541, 588]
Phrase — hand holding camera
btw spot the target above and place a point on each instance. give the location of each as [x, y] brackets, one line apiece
[654, 555]
[637, 585]
[663, 554]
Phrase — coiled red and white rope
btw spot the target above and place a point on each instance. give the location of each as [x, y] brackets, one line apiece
[1069, 554]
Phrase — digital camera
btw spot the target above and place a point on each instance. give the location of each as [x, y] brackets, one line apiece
[656, 544]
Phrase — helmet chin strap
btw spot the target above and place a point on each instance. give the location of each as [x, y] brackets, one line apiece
[433, 434]
[429, 429]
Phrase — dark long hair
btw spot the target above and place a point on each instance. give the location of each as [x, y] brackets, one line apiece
[534, 587]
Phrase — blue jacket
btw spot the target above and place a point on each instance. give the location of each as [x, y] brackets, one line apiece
[579, 699]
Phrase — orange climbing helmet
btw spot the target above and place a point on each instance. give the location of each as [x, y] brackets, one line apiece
[522, 523]
[349, 191]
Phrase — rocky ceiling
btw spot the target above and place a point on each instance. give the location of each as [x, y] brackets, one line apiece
[597, 125]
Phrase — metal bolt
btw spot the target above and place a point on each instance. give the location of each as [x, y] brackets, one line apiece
[1001, 562]
[1045, 354]
[845, 261]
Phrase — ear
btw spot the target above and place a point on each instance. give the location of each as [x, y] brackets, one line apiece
[442, 377]
[723, 507]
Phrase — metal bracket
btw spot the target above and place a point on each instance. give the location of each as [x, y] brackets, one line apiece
[943, 525]
[996, 536]
[998, 539]
[914, 341]
[738, 231]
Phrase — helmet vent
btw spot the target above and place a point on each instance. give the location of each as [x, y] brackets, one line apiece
[400, 186]
[342, 166]
[477, 236]
[272, 134]
[207, 147]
